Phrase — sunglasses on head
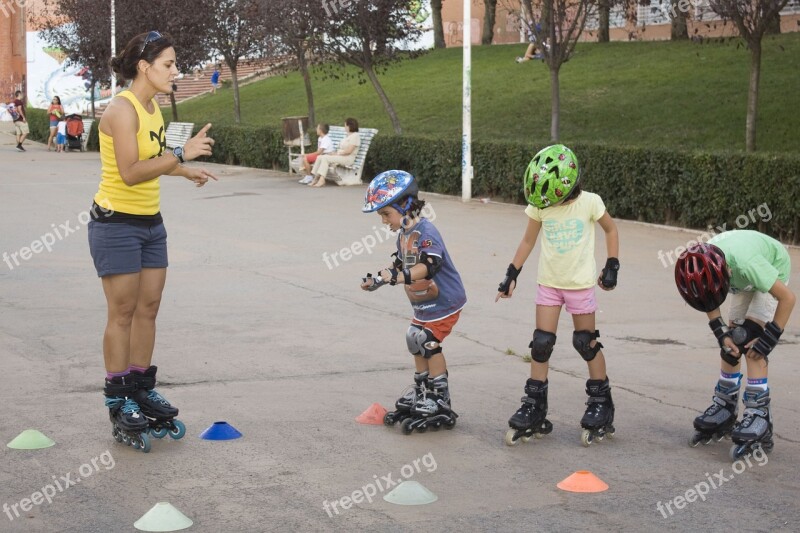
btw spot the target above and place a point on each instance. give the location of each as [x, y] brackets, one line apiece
[152, 37]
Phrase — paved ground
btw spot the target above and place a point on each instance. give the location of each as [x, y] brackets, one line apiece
[255, 329]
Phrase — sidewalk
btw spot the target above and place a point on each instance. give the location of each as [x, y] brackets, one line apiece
[257, 330]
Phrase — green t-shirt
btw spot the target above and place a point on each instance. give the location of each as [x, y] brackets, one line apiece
[756, 260]
[566, 260]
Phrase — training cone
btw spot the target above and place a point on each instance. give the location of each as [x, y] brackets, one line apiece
[583, 481]
[410, 493]
[373, 415]
[220, 431]
[163, 517]
[31, 439]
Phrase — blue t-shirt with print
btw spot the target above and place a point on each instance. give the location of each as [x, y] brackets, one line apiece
[441, 296]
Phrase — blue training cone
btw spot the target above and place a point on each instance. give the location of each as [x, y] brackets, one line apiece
[220, 431]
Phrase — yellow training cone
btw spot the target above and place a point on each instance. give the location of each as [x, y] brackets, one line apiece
[583, 481]
[31, 439]
[163, 517]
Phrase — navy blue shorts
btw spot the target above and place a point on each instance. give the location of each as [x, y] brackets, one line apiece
[120, 248]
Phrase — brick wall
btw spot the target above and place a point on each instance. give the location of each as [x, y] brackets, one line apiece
[13, 61]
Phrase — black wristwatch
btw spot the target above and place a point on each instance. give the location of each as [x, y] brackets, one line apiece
[178, 152]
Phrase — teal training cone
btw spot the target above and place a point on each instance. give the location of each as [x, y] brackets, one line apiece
[410, 493]
[31, 439]
[163, 517]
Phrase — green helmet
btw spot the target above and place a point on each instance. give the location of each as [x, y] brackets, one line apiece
[551, 176]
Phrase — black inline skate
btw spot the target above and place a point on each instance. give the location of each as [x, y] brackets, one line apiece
[718, 420]
[530, 420]
[432, 410]
[598, 420]
[755, 429]
[405, 403]
[160, 414]
[129, 425]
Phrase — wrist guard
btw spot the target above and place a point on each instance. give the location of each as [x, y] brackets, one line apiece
[608, 276]
[407, 276]
[377, 282]
[721, 331]
[393, 280]
[769, 339]
[511, 275]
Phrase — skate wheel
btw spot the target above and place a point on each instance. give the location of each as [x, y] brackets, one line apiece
[422, 428]
[695, 439]
[510, 437]
[179, 431]
[159, 433]
[450, 424]
[116, 434]
[586, 438]
[610, 434]
[388, 419]
[406, 426]
[126, 439]
[142, 443]
[436, 426]
[135, 444]
[527, 438]
[737, 451]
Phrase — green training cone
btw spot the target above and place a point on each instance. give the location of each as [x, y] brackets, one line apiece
[163, 517]
[31, 439]
[410, 493]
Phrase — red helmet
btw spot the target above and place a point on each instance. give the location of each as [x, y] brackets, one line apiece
[702, 277]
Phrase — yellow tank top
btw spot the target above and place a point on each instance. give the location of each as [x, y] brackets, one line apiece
[143, 198]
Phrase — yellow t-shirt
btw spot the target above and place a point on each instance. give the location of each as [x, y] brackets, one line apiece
[143, 198]
[566, 260]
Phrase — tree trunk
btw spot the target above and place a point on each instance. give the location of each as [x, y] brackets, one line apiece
[604, 11]
[91, 89]
[678, 30]
[237, 113]
[174, 106]
[555, 104]
[773, 25]
[301, 59]
[387, 105]
[438, 27]
[752, 96]
[490, 9]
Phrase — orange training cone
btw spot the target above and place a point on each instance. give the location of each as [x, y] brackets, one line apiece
[373, 415]
[583, 481]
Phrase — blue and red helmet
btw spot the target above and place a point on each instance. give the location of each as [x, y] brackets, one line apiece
[393, 187]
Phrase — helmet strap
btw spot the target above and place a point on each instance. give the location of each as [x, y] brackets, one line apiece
[402, 210]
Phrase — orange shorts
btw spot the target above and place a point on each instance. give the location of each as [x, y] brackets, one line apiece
[439, 328]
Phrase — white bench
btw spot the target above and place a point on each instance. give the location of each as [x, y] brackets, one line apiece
[178, 133]
[350, 175]
[87, 129]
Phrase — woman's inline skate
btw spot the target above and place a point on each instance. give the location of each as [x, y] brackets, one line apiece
[159, 412]
[405, 403]
[598, 420]
[129, 425]
[530, 420]
[718, 420]
[432, 410]
[755, 429]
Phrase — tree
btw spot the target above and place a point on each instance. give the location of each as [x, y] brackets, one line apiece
[71, 25]
[489, 12]
[752, 18]
[604, 15]
[562, 24]
[438, 25]
[368, 34]
[237, 31]
[678, 28]
[298, 26]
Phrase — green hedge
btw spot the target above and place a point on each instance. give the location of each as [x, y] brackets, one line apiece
[664, 186]
[692, 189]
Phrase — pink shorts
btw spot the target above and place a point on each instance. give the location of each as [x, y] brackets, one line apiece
[578, 302]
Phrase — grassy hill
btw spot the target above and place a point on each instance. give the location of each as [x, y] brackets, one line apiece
[662, 94]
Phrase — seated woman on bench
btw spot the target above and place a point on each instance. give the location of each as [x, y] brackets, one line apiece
[345, 155]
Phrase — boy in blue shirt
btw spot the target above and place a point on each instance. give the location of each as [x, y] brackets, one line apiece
[433, 286]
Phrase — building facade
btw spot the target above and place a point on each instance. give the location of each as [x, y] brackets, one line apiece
[13, 56]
